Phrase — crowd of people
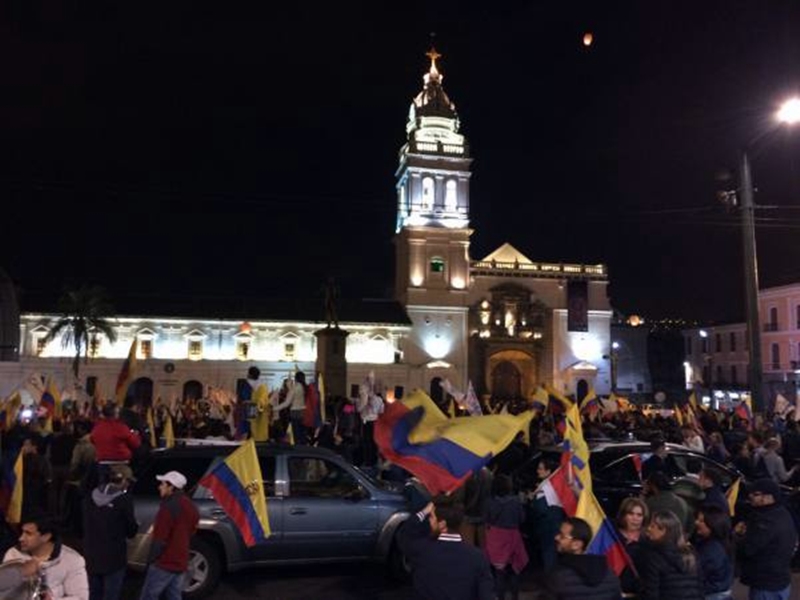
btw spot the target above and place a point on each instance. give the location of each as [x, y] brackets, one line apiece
[682, 538]
[686, 538]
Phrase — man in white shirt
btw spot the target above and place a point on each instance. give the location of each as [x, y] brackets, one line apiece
[62, 570]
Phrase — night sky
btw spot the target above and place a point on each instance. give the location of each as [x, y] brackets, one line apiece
[190, 149]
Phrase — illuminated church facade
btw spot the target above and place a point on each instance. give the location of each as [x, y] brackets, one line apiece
[504, 322]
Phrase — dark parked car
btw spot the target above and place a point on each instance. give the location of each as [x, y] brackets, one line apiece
[321, 509]
[616, 471]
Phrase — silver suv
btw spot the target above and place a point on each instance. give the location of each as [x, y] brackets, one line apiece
[321, 509]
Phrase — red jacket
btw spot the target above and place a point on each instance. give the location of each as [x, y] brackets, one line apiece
[113, 440]
[174, 526]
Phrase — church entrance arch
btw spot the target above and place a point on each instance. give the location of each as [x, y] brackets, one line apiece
[506, 381]
[511, 374]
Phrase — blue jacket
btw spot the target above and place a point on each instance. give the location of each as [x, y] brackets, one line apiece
[716, 566]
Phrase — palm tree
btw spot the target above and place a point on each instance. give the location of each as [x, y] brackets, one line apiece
[84, 316]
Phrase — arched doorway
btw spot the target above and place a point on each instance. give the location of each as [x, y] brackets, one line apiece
[506, 381]
[141, 391]
[192, 390]
[581, 389]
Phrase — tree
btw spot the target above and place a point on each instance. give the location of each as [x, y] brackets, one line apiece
[85, 314]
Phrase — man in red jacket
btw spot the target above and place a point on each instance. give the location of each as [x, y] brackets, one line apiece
[113, 440]
[174, 526]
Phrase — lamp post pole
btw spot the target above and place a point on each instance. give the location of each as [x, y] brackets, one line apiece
[751, 284]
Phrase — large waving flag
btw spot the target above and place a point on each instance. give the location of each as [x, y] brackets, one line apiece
[414, 434]
[238, 487]
[563, 403]
[126, 374]
[576, 457]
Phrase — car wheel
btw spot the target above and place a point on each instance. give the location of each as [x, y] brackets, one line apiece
[398, 565]
[205, 568]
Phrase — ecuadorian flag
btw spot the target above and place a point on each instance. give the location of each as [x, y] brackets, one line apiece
[238, 486]
[11, 488]
[442, 452]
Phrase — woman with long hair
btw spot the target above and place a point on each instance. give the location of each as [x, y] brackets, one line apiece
[631, 517]
[713, 534]
[668, 566]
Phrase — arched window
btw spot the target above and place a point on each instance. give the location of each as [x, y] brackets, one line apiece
[451, 196]
[427, 193]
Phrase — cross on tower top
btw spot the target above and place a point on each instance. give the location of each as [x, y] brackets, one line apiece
[433, 55]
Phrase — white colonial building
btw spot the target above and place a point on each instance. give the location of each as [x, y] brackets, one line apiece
[505, 322]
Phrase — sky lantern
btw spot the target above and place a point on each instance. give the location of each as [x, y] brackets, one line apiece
[588, 38]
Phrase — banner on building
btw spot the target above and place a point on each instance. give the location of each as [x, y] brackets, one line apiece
[577, 306]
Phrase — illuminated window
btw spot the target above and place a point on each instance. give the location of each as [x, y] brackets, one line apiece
[41, 344]
[146, 348]
[242, 350]
[437, 265]
[289, 351]
[450, 196]
[427, 193]
[195, 349]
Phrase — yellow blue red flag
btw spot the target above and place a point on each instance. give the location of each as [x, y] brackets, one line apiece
[441, 451]
[238, 486]
[605, 540]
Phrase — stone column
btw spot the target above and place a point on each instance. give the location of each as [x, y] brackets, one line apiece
[331, 361]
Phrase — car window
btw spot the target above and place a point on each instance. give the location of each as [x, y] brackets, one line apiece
[312, 477]
[691, 464]
[622, 470]
[268, 473]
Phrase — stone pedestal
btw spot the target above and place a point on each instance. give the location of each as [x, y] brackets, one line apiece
[331, 361]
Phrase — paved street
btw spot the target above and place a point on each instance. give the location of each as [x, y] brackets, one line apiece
[332, 582]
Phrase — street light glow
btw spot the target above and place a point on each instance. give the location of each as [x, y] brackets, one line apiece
[703, 333]
[790, 111]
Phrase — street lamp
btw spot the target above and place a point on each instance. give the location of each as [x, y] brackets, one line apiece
[789, 114]
[614, 365]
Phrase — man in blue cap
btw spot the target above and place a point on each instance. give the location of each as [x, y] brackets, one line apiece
[766, 542]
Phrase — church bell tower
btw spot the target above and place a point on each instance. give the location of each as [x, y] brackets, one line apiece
[432, 234]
